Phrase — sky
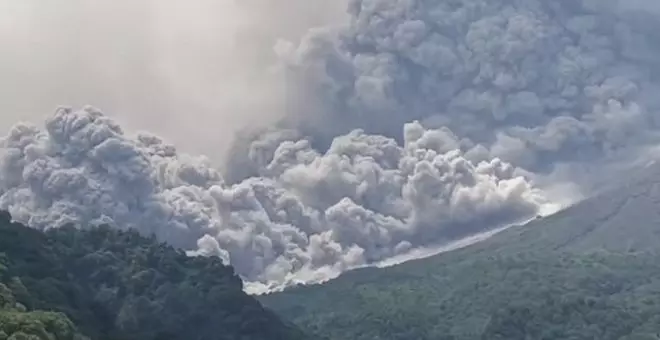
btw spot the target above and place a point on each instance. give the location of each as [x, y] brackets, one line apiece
[159, 65]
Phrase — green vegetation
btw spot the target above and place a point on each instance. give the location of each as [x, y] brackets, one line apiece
[589, 272]
[120, 286]
[542, 296]
[17, 324]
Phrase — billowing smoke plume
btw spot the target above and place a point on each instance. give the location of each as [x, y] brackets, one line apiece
[311, 215]
[414, 123]
[534, 81]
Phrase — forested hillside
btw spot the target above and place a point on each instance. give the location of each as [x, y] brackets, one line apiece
[589, 272]
[112, 285]
[543, 296]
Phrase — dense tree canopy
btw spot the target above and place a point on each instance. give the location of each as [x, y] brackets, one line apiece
[116, 285]
[542, 296]
[18, 324]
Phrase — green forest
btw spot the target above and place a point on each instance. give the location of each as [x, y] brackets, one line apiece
[106, 284]
[515, 297]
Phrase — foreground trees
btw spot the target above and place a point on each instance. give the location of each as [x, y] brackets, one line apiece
[113, 285]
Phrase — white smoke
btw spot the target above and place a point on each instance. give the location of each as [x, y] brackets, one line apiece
[310, 215]
[412, 124]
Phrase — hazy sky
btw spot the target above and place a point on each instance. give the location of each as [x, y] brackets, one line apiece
[158, 65]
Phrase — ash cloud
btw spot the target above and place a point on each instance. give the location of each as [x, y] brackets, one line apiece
[310, 214]
[535, 82]
[409, 125]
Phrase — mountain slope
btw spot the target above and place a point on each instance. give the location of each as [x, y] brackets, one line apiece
[625, 218]
[589, 272]
[119, 285]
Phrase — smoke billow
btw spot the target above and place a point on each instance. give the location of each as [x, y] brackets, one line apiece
[365, 199]
[533, 81]
[411, 124]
